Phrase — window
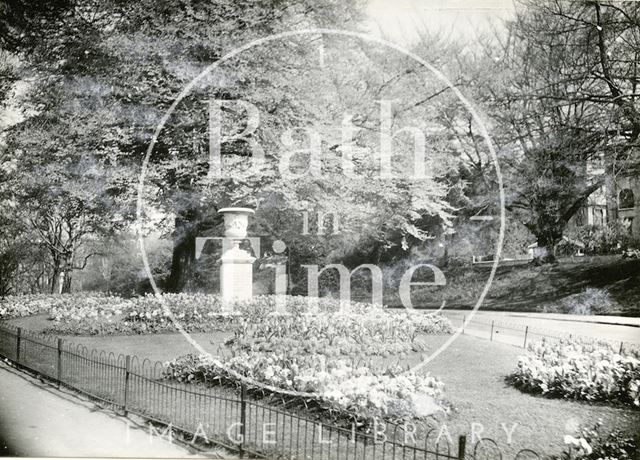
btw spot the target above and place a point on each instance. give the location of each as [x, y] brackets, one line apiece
[626, 199]
[598, 217]
[580, 217]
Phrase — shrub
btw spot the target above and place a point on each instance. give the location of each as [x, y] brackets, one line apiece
[592, 301]
[631, 254]
[609, 239]
[579, 369]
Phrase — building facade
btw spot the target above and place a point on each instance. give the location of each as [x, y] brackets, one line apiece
[617, 201]
[624, 204]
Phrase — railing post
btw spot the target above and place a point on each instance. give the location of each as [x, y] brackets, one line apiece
[462, 446]
[59, 361]
[243, 417]
[526, 331]
[127, 372]
[18, 340]
[621, 347]
[464, 320]
[491, 338]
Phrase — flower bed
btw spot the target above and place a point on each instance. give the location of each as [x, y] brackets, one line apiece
[96, 313]
[34, 304]
[579, 369]
[591, 444]
[140, 315]
[341, 389]
[380, 332]
[323, 353]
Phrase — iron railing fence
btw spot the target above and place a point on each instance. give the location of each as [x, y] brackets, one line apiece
[224, 416]
[523, 334]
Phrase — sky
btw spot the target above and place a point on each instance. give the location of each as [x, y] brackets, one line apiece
[402, 20]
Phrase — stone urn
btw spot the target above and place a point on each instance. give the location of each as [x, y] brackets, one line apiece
[236, 221]
[236, 272]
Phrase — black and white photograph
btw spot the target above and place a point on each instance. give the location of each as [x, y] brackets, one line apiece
[320, 229]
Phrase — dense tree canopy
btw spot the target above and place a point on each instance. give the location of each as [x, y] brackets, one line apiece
[102, 74]
[94, 79]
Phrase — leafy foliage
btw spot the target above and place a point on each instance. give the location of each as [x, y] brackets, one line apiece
[110, 70]
[614, 238]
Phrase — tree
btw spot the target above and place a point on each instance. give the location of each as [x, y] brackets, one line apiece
[62, 190]
[562, 87]
[552, 183]
[132, 58]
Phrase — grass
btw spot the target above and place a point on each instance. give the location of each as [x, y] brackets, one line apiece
[473, 370]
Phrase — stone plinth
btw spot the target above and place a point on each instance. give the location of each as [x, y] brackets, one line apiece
[236, 272]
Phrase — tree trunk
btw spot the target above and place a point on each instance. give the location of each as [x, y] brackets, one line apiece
[66, 283]
[188, 226]
[68, 271]
[57, 282]
[182, 258]
[545, 253]
[55, 278]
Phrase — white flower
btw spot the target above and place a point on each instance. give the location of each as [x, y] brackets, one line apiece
[584, 445]
[269, 373]
[424, 405]
[570, 440]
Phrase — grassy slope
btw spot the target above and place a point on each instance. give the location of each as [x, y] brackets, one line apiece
[523, 288]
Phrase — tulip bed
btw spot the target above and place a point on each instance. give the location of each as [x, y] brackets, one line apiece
[341, 390]
[96, 313]
[104, 315]
[580, 369]
[330, 354]
[70, 305]
[378, 332]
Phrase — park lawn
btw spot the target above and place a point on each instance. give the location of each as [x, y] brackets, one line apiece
[472, 369]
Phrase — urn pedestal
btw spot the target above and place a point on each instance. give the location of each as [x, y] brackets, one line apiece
[236, 271]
